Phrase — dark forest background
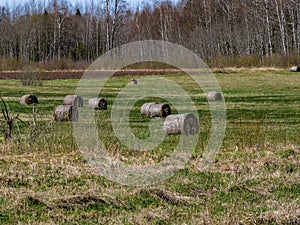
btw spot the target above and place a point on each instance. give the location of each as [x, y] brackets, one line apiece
[239, 33]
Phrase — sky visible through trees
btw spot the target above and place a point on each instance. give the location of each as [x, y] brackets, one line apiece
[131, 3]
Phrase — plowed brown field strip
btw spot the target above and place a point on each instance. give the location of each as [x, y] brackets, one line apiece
[57, 75]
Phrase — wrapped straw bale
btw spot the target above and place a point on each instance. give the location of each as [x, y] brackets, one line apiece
[186, 124]
[134, 82]
[214, 96]
[29, 99]
[73, 100]
[295, 69]
[98, 103]
[65, 113]
[152, 109]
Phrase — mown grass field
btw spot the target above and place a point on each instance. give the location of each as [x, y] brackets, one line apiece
[255, 178]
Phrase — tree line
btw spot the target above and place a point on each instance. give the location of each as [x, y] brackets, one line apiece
[224, 31]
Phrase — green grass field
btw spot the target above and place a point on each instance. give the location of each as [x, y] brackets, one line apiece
[255, 178]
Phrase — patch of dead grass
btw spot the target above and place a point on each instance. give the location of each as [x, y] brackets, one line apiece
[168, 196]
[75, 201]
[281, 212]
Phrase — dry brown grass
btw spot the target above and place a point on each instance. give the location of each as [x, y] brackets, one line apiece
[73, 196]
[281, 212]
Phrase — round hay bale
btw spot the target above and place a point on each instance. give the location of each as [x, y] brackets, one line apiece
[29, 99]
[295, 69]
[145, 108]
[98, 103]
[186, 124]
[65, 113]
[134, 81]
[73, 100]
[214, 96]
[153, 109]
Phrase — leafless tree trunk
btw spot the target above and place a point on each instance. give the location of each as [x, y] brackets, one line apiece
[268, 24]
[281, 22]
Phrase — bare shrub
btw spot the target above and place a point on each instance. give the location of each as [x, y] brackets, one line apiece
[30, 77]
[9, 120]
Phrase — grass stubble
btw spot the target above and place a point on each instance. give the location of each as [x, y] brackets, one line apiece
[255, 178]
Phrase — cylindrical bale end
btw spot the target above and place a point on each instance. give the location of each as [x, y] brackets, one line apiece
[73, 100]
[214, 96]
[295, 69]
[98, 104]
[29, 99]
[65, 113]
[186, 124]
[134, 82]
[155, 110]
[159, 110]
